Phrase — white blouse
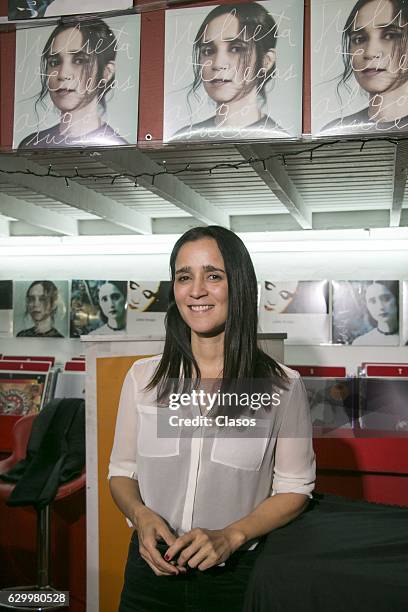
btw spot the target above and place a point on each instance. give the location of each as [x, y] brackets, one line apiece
[207, 476]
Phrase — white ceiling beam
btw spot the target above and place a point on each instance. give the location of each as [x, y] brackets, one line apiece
[76, 195]
[167, 186]
[277, 179]
[36, 215]
[400, 179]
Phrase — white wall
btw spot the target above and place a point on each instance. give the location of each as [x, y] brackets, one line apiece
[312, 255]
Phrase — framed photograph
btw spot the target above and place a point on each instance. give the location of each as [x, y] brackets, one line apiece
[6, 308]
[35, 9]
[41, 309]
[359, 65]
[77, 84]
[366, 313]
[299, 308]
[97, 307]
[147, 307]
[233, 72]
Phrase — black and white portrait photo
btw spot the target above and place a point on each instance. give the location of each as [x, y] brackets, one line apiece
[147, 307]
[359, 66]
[77, 84]
[35, 9]
[366, 313]
[97, 307]
[299, 308]
[40, 309]
[6, 308]
[233, 71]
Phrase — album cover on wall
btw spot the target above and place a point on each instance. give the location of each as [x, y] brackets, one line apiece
[147, 307]
[233, 72]
[383, 404]
[359, 66]
[333, 402]
[366, 313]
[6, 308]
[299, 308]
[41, 309]
[35, 9]
[97, 307]
[21, 393]
[77, 84]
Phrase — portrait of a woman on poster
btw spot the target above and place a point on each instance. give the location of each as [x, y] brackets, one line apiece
[234, 67]
[374, 53]
[42, 304]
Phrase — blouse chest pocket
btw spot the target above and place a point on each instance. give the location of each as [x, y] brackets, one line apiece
[244, 452]
[152, 429]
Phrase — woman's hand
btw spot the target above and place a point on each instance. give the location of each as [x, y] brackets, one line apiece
[151, 528]
[204, 548]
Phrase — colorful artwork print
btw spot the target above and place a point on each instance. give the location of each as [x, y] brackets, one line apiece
[77, 84]
[21, 394]
[233, 71]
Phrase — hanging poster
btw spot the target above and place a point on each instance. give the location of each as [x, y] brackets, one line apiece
[405, 313]
[6, 308]
[147, 307]
[40, 309]
[299, 308]
[77, 84]
[35, 9]
[21, 393]
[359, 67]
[366, 313]
[233, 72]
[97, 307]
[333, 401]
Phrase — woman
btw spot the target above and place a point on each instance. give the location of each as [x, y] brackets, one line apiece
[112, 304]
[381, 301]
[375, 43]
[77, 72]
[199, 505]
[42, 301]
[234, 59]
[296, 297]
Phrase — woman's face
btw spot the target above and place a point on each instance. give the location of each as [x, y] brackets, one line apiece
[375, 33]
[201, 287]
[39, 305]
[381, 303]
[226, 71]
[279, 295]
[112, 301]
[141, 296]
[70, 85]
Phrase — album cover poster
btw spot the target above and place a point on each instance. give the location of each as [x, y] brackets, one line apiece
[359, 65]
[77, 84]
[147, 307]
[383, 404]
[405, 313]
[233, 72]
[333, 401]
[35, 9]
[299, 308]
[97, 307]
[6, 308]
[41, 309]
[366, 313]
[21, 394]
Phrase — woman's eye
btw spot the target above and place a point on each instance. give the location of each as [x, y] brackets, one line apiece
[285, 295]
[357, 39]
[52, 62]
[80, 59]
[206, 51]
[236, 48]
[392, 35]
[182, 279]
[214, 277]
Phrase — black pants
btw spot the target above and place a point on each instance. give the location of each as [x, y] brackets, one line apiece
[218, 589]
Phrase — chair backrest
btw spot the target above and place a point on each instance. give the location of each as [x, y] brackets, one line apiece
[21, 434]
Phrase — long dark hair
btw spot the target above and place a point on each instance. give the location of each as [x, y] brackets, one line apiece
[254, 22]
[243, 359]
[98, 42]
[400, 48]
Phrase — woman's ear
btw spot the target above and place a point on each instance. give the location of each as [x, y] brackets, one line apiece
[269, 60]
[109, 71]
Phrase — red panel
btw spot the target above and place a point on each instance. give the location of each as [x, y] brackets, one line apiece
[25, 366]
[4, 8]
[387, 370]
[7, 422]
[377, 488]
[331, 371]
[28, 358]
[7, 71]
[75, 366]
[306, 124]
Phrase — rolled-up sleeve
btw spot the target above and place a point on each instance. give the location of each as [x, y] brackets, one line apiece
[295, 465]
[123, 460]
